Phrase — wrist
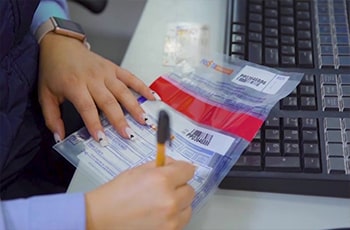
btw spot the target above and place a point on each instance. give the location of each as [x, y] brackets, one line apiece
[52, 39]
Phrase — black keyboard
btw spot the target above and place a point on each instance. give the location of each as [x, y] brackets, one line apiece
[304, 145]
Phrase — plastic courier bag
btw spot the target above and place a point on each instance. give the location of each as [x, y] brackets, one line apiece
[215, 108]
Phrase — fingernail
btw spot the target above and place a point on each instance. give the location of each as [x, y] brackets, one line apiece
[146, 119]
[102, 139]
[130, 133]
[156, 96]
[57, 137]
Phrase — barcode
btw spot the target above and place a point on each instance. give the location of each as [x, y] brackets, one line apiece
[251, 80]
[200, 137]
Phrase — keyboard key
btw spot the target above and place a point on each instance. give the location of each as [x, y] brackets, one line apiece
[307, 90]
[238, 49]
[310, 135]
[291, 149]
[330, 104]
[284, 164]
[271, 4]
[343, 50]
[304, 44]
[238, 38]
[255, 17]
[312, 165]
[272, 149]
[345, 89]
[248, 163]
[347, 138]
[344, 78]
[327, 61]
[329, 90]
[308, 103]
[333, 136]
[271, 22]
[256, 27]
[289, 103]
[240, 15]
[308, 79]
[288, 61]
[288, 11]
[303, 25]
[326, 39]
[344, 61]
[336, 165]
[304, 34]
[311, 149]
[271, 42]
[271, 32]
[287, 3]
[291, 135]
[271, 13]
[273, 122]
[290, 122]
[272, 134]
[287, 40]
[347, 151]
[255, 37]
[309, 123]
[303, 15]
[327, 50]
[340, 19]
[288, 50]
[332, 123]
[328, 79]
[256, 8]
[271, 56]
[287, 30]
[304, 6]
[240, 29]
[335, 150]
[253, 148]
[342, 39]
[346, 103]
[305, 59]
[341, 29]
[346, 122]
[325, 28]
[255, 52]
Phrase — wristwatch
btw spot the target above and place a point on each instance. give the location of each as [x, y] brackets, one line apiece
[63, 27]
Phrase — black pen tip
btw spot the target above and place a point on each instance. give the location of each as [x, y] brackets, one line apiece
[163, 129]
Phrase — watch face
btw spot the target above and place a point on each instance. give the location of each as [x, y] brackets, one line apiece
[69, 25]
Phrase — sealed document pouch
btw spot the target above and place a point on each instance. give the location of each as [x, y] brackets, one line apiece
[216, 108]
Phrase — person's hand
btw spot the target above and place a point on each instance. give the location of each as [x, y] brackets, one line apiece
[68, 70]
[146, 197]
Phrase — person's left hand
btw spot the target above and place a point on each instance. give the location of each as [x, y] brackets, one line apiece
[68, 70]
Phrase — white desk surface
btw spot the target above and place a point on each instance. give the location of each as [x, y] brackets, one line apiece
[226, 209]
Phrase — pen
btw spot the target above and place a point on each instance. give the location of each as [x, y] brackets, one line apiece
[163, 135]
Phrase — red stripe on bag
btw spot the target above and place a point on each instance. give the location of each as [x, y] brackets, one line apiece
[239, 124]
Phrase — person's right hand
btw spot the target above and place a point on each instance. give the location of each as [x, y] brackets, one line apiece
[145, 197]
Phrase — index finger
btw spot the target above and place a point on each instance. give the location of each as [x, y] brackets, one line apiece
[179, 172]
[134, 82]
